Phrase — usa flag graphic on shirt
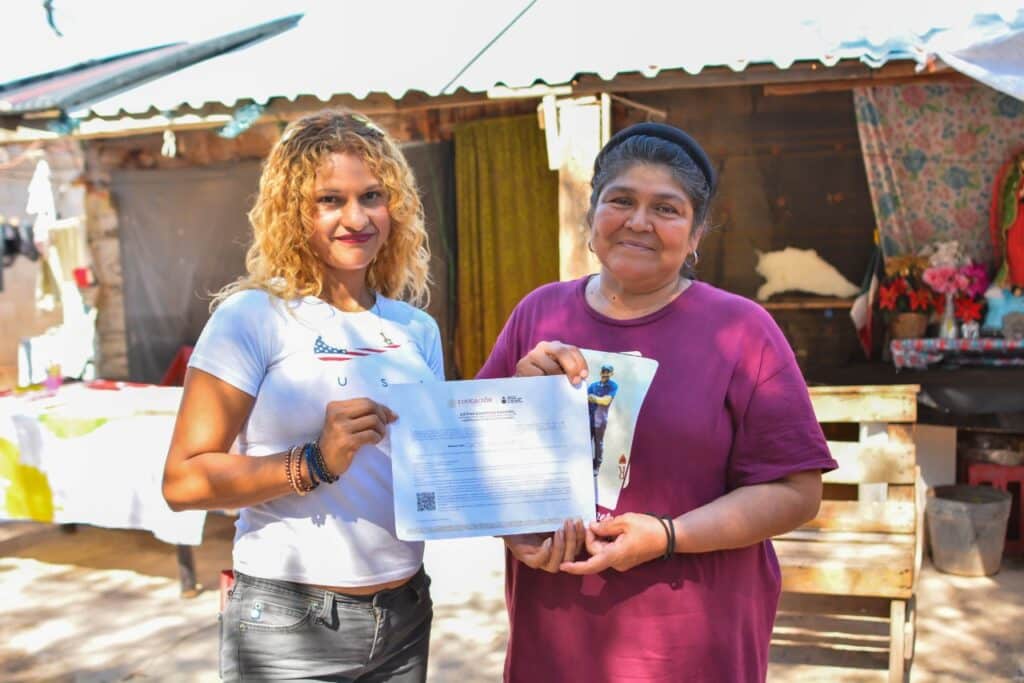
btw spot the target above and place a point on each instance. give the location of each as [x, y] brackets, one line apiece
[326, 352]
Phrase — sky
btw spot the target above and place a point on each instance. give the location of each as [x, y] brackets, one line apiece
[340, 44]
[98, 28]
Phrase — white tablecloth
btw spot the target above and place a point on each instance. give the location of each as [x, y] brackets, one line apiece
[92, 456]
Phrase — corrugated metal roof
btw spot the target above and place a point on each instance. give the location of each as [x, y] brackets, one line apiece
[80, 84]
[651, 38]
[441, 47]
[50, 90]
[337, 48]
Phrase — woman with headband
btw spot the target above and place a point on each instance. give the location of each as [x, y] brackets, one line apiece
[285, 404]
[680, 581]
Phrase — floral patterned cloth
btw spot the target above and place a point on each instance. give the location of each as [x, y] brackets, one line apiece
[932, 153]
[920, 353]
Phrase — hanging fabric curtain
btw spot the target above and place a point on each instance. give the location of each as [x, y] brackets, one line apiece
[507, 217]
[931, 154]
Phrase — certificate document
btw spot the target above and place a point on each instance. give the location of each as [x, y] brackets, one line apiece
[490, 457]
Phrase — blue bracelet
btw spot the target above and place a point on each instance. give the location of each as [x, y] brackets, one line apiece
[318, 457]
[315, 473]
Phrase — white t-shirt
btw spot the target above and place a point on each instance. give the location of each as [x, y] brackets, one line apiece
[294, 357]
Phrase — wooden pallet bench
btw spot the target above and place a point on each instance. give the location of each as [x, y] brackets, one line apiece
[867, 538]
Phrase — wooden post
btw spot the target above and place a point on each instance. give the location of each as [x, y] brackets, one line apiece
[897, 624]
[581, 131]
[876, 432]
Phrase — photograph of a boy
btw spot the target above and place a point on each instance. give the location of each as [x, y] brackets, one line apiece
[599, 396]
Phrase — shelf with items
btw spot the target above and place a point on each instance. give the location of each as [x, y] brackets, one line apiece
[988, 351]
[806, 303]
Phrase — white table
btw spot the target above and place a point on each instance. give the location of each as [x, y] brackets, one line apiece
[93, 453]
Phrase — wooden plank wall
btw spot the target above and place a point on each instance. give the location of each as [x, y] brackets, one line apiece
[791, 175]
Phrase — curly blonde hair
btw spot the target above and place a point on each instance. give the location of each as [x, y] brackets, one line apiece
[280, 260]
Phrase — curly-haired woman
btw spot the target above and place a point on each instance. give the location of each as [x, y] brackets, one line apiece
[282, 414]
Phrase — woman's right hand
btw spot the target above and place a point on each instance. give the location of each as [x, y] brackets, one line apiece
[553, 358]
[547, 551]
[350, 425]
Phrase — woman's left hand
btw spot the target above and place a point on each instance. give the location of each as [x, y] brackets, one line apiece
[620, 543]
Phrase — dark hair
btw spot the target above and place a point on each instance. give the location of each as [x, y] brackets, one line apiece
[615, 160]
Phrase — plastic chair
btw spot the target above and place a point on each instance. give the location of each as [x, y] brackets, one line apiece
[1004, 478]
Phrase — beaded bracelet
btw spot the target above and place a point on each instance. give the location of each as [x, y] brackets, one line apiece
[328, 476]
[288, 469]
[295, 473]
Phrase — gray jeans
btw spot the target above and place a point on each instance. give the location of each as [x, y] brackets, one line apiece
[274, 630]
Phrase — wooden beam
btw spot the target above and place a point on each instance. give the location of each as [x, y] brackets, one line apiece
[894, 403]
[810, 303]
[920, 500]
[880, 570]
[904, 493]
[817, 536]
[871, 463]
[852, 515]
[897, 621]
[853, 607]
[580, 139]
[755, 74]
[785, 89]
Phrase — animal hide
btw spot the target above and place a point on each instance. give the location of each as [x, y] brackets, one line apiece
[801, 270]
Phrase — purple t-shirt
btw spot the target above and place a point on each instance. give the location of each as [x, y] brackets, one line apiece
[728, 407]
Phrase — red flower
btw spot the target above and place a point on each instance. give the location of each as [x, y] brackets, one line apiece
[939, 300]
[920, 299]
[899, 285]
[887, 296]
[968, 309]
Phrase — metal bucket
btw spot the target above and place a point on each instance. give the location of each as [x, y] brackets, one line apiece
[967, 528]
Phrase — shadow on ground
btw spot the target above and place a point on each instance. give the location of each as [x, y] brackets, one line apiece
[111, 549]
[105, 605]
[968, 629]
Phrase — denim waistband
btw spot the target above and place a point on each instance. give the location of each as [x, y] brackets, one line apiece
[418, 583]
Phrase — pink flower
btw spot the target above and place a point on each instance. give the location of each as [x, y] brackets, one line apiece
[945, 279]
[977, 279]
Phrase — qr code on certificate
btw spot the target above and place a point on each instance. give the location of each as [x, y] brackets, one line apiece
[425, 501]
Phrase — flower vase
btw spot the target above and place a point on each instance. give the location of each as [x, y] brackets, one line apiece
[947, 327]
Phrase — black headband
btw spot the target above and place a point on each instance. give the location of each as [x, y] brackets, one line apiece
[668, 133]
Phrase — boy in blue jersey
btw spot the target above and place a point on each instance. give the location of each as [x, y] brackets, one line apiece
[599, 396]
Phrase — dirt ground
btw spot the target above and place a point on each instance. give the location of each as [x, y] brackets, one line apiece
[103, 605]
